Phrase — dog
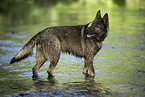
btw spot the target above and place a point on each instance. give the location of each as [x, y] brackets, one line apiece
[81, 40]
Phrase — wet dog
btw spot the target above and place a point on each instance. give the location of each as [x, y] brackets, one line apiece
[81, 40]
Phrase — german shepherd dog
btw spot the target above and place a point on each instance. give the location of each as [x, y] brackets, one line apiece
[81, 40]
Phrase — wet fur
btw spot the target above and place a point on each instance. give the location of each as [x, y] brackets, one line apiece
[82, 41]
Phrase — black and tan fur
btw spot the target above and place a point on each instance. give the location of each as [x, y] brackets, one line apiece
[82, 41]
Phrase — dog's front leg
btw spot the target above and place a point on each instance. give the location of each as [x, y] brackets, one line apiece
[88, 67]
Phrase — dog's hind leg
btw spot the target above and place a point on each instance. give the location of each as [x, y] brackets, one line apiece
[52, 49]
[53, 62]
[53, 58]
[40, 61]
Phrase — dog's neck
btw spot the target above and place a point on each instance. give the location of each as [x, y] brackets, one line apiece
[82, 40]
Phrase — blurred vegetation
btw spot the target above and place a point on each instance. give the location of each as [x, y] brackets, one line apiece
[58, 12]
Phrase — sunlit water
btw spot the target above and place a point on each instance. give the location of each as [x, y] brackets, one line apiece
[119, 66]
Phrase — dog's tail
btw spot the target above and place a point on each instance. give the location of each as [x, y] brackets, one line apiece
[26, 50]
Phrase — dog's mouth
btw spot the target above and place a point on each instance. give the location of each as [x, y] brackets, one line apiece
[91, 35]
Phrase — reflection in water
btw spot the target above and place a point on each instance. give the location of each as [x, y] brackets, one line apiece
[86, 88]
[40, 83]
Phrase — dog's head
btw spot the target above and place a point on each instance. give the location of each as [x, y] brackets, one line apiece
[99, 28]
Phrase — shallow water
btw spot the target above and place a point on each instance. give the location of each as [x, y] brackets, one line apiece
[119, 66]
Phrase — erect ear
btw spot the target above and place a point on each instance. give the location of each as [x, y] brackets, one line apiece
[98, 15]
[106, 20]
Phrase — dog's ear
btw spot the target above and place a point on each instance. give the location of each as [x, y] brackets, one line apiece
[98, 15]
[106, 20]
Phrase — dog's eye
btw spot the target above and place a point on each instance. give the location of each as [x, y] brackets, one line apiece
[98, 26]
